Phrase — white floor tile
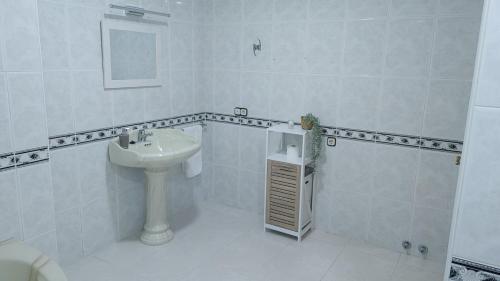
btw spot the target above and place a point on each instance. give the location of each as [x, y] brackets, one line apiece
[222, 243]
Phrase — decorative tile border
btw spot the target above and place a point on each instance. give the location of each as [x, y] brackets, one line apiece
[22, 158]
[463, 270]
[347, 133]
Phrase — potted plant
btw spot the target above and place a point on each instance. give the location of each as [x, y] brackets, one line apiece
[311, 122]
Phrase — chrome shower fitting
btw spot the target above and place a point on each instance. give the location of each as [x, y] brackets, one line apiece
[423, 250]
[407, 246]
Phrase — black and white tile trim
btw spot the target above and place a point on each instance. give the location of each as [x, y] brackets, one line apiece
[463, 270]
[353, 134]
[22, 158]
[107, 133]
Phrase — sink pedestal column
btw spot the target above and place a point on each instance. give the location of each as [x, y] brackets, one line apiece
[156, 230]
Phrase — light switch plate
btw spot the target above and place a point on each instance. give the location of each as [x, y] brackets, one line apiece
[331, 141]
[243, 111]
[237, 111]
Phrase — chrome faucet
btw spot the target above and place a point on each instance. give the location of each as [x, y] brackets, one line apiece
[142, 135]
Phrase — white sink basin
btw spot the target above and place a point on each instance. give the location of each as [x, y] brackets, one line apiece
[164, 148]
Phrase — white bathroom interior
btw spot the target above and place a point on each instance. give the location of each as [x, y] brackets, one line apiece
[163, 140]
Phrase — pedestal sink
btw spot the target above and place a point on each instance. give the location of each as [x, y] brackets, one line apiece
[161, 150]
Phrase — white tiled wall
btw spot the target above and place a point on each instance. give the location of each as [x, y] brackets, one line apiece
[365, 60]
[475, 237]
[397, 66]
[51, 84]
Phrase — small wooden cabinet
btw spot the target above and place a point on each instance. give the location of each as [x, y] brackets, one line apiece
[288, 198]
[283, 191]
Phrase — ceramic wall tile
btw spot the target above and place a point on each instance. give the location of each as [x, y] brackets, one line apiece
[181, 10]
[225, 185]
[9, 208]
[128, 106]
[94, 170]
[92, 103]
[390, 222]
[327, 90]
[227, 10]
[350, 214]
[252, 149]
[157, 103]
[99, 226]
[21, 38]
[413, 8]
[181, 46]
[353, 169]
[203, 46]
[5, 139]
[69, 235]
[54, 31]
[409, 47]
[226, 91]
[64, 171]
[203, 11]
[357, 103]
[288, 10]
[326, 9]
[402, 106]
[362, 9]
[27, 110]
[395, 172]
[462, 7]
[36, 200]
[432, 228]
[289, 47]
[250, 191]
[364, 47]
[84, 38]
[446, 110]
[437, 180]
[203, 91]
[227, 48]
[225, 145]
[182, 93]
[455, 48]
[257, 10]
[288, 97]
[59, 102]
[256, 88]
[324, 47]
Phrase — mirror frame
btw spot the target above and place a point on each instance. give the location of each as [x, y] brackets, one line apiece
[108, 24]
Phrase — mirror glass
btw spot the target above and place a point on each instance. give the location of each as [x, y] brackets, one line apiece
[133, 54]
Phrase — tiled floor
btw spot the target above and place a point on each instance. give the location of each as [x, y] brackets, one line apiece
[220, 243]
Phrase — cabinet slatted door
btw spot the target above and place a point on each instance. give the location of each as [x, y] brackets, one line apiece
[282, 197]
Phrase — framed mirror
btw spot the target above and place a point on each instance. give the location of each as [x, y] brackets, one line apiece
[131, 54]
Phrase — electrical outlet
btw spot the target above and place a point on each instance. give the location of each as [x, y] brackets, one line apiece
[331, 141]
[237, 111]
[243, 111]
